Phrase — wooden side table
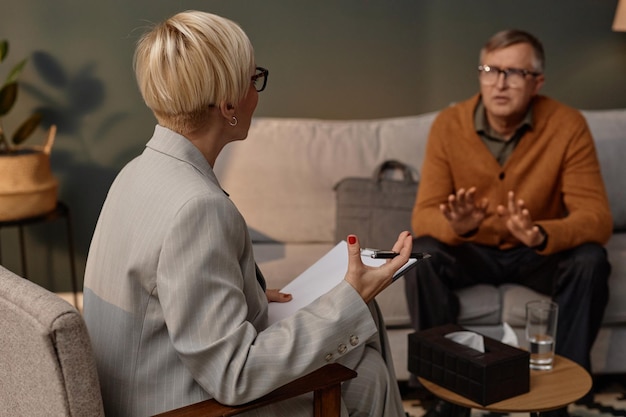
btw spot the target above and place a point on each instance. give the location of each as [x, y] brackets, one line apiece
[566, 383]
[59, 212]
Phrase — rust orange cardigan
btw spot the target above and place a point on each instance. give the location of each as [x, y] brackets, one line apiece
[554, 169]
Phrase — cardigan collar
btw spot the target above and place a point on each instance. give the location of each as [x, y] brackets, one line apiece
[481, 124]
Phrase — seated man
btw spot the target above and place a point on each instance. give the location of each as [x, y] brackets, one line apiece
[511, 192]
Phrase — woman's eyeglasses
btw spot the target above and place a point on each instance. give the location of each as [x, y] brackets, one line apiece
[259, 79]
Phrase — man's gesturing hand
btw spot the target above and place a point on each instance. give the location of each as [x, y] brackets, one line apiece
[463, 212]
[519, 222]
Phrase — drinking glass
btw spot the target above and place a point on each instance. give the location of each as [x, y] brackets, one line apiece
[541, 319]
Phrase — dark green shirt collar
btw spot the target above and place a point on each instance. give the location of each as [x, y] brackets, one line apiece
[482, 125]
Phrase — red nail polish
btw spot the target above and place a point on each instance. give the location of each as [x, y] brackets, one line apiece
[351, 240]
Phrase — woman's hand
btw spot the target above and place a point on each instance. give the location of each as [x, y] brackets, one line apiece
[275, 296]
[369, 281]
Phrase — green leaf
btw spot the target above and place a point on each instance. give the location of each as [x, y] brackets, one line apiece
[4, 49]
[15, 72]
[8, 95]
[26, 129]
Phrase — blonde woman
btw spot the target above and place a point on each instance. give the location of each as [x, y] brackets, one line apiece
[175, 306]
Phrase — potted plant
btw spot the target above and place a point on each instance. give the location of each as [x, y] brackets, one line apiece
[27, 186]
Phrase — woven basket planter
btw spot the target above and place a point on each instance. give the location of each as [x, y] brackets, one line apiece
[27, 186]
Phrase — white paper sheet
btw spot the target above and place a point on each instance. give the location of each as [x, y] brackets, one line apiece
[320, 278]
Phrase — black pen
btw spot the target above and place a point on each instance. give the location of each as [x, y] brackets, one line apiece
[388, 254]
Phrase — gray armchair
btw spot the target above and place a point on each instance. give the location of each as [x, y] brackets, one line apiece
[46, 361]
[47, 366]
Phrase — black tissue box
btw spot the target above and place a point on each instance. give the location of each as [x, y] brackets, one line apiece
[499, 373]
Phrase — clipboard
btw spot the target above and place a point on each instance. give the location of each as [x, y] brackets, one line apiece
[321, 277]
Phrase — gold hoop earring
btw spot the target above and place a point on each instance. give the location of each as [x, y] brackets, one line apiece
[234, 122]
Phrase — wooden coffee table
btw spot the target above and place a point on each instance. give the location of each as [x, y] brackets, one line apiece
[566, 383]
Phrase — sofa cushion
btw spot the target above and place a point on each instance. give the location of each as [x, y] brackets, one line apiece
[514, 299]
[480, 305]
[608, 128]
[282, 176]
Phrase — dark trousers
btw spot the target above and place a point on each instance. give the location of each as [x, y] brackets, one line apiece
[576, 279]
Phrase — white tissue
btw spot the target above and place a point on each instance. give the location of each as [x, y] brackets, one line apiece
[509, 337]
[476, 341]
[469, 339]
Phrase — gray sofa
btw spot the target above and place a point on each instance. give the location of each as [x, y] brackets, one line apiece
[282, 176]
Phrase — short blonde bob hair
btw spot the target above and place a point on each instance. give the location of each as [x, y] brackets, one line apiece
[190, 62]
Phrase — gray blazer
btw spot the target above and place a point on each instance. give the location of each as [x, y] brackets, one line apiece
[172, 302]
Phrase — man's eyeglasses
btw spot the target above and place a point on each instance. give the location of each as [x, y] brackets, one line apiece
[259, 79]
[515, 77]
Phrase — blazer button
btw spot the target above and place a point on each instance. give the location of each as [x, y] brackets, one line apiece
[354, 340]
[342, 349]
[329, 357]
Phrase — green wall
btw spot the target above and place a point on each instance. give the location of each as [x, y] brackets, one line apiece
[327, 59]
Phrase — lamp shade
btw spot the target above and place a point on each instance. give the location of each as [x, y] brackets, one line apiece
[619, 24]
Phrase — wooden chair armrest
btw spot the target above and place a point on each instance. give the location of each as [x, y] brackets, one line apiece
[324, 382]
